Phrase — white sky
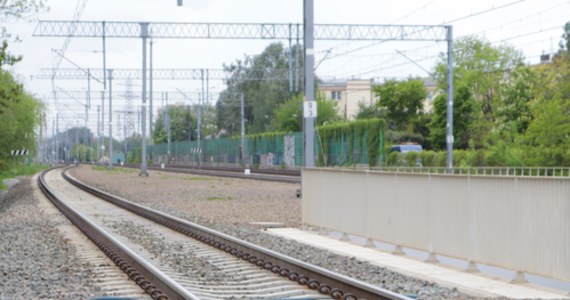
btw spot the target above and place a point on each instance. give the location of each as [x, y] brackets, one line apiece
[533, 26]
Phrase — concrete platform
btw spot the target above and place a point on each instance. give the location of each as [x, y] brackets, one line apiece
[474, 283]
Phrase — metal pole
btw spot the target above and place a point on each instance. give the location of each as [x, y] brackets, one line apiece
[76, 141]
[103, 123]
[85, 135]
[290, 58]
[144, 36]
[57, 138]
[150, 137]
[98, 130]
[125, 139]
[168, 132]
[449, 98]
[104, 57]
[87, 108]
[200, 121]
[242, 129]
[309, 127]
[297, 62]
[110, 119]
[207, 86]
[53, 142]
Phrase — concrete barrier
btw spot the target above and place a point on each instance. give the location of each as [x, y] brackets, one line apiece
[517, 223]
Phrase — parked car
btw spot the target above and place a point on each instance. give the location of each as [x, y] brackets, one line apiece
[403, 148]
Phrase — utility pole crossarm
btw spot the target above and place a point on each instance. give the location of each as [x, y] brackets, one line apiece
[94, 29]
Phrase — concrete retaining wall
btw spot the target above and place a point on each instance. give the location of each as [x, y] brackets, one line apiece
[518, 223]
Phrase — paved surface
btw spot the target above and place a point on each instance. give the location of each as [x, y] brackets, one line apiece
[474, 283]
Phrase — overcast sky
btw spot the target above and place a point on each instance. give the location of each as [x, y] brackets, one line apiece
[532, 26]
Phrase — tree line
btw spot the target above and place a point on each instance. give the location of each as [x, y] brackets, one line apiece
[504, 108]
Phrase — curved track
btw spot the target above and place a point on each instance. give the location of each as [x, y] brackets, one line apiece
[245, 270]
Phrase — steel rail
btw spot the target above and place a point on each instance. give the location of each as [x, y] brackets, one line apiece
[325, 281]
[289, 176]
[154, 282]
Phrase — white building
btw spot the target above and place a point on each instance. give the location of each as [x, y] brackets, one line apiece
[348, 94]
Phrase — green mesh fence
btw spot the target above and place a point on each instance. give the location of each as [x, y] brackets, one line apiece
[349, 147]
[271, 150]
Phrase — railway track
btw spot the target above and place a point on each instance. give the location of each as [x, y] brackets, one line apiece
[182, 260]
[290, 176]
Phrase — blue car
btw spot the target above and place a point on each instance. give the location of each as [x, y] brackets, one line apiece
[403, 148]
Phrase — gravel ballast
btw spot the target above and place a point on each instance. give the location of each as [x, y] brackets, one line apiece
[36, 261]
[51, 271]
[232, 205]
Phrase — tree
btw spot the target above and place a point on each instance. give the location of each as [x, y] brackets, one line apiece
[565, 43]
[263, 80]
[182, 124]
[464, 110]
[516, 94]
[479, 70]
[19, 116]
[14, 9]
[368, 111]
[402, 101]
[546, 140]
[289, 115]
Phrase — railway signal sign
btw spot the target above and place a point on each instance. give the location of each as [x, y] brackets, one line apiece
[19, 152]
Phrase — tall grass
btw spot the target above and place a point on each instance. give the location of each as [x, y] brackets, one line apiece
[22, 170]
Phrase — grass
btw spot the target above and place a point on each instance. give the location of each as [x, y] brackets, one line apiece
[198, 178]
[218, 198]
[21, 171]
[114, 170]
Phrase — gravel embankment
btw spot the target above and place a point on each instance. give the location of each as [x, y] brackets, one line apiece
[35, 260]
[49, 269]
[230, 205]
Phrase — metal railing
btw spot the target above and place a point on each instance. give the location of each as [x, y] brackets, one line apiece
[482, 171]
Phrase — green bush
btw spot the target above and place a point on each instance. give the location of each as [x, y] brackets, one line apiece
[394, 159]
[411, 158]
[428, 158]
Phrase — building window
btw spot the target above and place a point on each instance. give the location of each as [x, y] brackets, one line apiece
[335, 95]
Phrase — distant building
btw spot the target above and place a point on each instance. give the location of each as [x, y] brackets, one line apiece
[432, 91]
[348, 94]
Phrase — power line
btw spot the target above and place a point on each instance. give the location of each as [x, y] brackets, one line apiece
[79, 8]
[447, 22]
[483, 12]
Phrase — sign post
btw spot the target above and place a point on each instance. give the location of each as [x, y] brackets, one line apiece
[15, 153]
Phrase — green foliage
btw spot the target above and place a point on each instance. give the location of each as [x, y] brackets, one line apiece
[21, 170]
[565, 42]
[134, 155]
[289, 115]
[479, 70]
[5, 57]
[261, 97]
[353, 132]
[14, 9]
[369, 112]
[83, 152]
[181, 121]
[19, 116]
[402, 101]
[546, 139]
